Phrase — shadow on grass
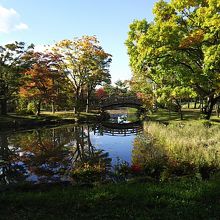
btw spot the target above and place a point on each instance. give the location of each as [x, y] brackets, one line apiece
[186, 199]
[163, 115]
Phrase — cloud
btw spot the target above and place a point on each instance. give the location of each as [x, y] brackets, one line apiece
[10, 20]
[21, 26]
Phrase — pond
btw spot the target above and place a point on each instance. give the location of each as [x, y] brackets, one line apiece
[54, 154]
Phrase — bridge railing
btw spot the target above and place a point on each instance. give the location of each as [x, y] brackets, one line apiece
[120, 100]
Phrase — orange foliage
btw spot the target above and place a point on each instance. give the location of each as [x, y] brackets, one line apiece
[193, 39]
[39, 81]
[147, 99]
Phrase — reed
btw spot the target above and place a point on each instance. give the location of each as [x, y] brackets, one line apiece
[195, 145]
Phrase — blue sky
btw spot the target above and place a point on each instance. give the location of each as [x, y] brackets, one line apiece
[44, 22]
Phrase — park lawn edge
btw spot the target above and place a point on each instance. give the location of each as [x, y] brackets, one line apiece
[191, 198]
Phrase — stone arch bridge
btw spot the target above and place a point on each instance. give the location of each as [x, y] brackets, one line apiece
[121, 101]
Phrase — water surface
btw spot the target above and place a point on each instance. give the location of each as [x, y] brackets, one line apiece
[51, 154]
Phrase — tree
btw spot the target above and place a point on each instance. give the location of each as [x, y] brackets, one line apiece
[85, 64]
[40, 81]
[101, 93]
[122, 87]
[182, 42]
[169, 94]
[12, 62]
[144, 90]
[119, 88]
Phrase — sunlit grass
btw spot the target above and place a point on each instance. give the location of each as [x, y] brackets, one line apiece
[163, 115]
[166, 116]
[191, 142]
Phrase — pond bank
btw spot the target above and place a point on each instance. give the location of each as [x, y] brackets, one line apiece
[22, 122]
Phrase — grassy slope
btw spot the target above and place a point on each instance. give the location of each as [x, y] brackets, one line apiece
[175, 200]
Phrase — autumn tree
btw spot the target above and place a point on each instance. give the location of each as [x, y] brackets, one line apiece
[85, 64]
[182, 43]
[40, 82]
[100, 93]
[11, 65]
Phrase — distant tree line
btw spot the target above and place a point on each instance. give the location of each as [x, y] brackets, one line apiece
[64, 76]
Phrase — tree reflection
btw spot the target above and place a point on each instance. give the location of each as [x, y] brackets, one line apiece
[48, 155]
[89, 164]
[9, 170]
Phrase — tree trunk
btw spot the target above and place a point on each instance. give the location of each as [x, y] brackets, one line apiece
[201, 104]
[53, 107]
[218, 110]
[209, 107]
[76, 104]
[188, 103]
[87, 104]
[181, 113]
[88, 101]
[75, 108]
[38, 108]
[3, 107]
[195, 103]
[180, 109]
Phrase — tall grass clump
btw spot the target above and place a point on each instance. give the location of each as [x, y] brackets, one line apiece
[183, 148]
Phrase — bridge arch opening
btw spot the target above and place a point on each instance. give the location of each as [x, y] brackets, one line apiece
[122, 109]
[122, 114]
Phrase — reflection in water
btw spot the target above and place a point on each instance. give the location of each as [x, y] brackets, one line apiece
[54, 155]
[122, 115]
[115, 129]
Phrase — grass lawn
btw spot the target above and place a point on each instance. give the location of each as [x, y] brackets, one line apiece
[71, 115]
[12, 117]
[185, 199]
[43, 115]
[16, 121]
[163, 115]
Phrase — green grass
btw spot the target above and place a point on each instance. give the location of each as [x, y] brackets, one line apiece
[68, 114]
[132, 110]
[171, 200]
[17, 121]
[164, 115]
[12, 117]
[189, 141]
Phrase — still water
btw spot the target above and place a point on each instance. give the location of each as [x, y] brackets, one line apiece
[50, 154]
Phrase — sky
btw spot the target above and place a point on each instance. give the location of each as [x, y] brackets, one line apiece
[44, 22]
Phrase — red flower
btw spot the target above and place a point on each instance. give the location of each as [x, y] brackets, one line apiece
[135, 168]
